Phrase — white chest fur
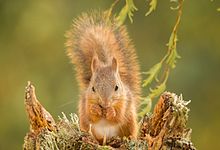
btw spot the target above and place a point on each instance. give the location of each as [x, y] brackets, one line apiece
[104, 128]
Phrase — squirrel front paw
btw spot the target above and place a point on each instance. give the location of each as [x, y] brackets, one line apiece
[110, 113]
[96, 110]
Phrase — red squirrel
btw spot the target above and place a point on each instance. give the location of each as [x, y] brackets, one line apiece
[108, 74]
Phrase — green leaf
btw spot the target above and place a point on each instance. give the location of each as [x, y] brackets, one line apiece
[146, 104]
[127, 10]
[171, 60]
[172, 40]
[122, 15]
[152, 73]
[131, 9]
[158, 90]
[153, 5]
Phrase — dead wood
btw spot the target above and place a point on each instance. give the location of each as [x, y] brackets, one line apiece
[164, 129]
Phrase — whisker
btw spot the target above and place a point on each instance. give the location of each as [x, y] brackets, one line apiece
[65, 104]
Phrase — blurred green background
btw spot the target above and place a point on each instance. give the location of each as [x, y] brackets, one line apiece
[32, 48]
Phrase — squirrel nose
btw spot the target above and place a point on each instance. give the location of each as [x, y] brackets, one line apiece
[105, 104]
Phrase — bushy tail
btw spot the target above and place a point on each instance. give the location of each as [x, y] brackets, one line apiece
[96, 34]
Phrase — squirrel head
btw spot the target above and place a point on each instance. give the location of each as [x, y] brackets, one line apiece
[106, 87]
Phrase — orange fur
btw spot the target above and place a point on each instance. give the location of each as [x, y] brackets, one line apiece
[104, 58]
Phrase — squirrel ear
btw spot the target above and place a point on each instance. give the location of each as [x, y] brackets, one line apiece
[114, 64]
[94, 64]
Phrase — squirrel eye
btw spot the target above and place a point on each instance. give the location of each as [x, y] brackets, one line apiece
[116, 88]
[93, 89]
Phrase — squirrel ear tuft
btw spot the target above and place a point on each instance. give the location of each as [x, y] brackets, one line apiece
[94, 64]
[114, 64]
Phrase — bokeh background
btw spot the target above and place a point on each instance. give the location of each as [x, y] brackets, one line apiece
[32, 48]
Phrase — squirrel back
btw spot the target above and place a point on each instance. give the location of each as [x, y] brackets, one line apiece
[96, 35]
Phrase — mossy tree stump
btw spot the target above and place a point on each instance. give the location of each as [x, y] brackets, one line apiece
[164, 129]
